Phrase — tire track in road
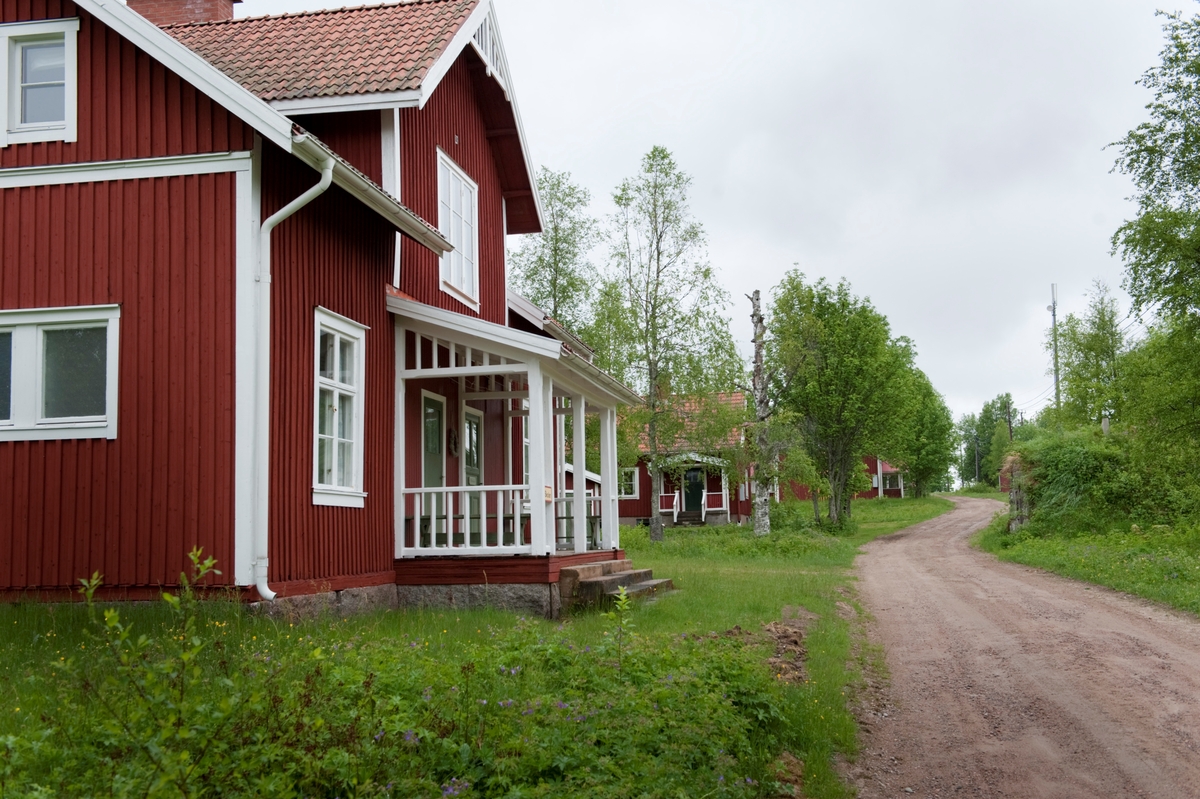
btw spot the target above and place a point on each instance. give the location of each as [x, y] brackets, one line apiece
[1010, 681]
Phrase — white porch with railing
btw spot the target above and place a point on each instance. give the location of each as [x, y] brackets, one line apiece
[539, 381]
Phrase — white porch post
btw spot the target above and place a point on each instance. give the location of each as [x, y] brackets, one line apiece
[398, 437]
[579, 464]
[609, 533]
[546, 424]
[879, 475]
[538, 463]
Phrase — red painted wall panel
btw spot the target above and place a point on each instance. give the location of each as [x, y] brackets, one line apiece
[336, 255]
[133, 507]
[354, 135]
[129, 105]
[451, 120]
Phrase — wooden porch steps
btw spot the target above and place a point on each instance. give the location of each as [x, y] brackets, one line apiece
[590, 584]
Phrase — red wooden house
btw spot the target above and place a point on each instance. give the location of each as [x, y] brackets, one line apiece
[253, 298]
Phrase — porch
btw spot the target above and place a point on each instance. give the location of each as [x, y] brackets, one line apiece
[695, 491]
[484, 457]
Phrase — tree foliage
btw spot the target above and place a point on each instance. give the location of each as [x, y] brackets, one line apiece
[1090, 347]
[1161, 244]
[843, 375]
[552, 268]
[677, 350]
[928, 440]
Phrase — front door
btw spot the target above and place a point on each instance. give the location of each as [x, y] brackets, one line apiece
[472, 454]
[433, 470]
[693, 490]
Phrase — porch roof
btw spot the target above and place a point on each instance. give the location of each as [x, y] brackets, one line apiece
[560, 362]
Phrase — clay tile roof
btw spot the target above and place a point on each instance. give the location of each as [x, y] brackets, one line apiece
[734, 400]
[344, 51]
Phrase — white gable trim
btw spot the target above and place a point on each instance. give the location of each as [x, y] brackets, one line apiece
[192, 68]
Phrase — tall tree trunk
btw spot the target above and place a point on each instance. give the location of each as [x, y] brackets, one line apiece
[656, 490]
[762, 414]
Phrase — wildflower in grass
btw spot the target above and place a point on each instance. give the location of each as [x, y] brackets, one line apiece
[506, 703]
[455, 787]
[410, 737]
[379, 736]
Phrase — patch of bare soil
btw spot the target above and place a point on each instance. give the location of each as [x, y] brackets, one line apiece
[1006, 681]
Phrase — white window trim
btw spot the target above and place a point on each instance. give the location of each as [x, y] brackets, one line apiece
[27, 423]
[335, 496]
[12, 35]
[637, 488]
[462, 460]
[448, 287]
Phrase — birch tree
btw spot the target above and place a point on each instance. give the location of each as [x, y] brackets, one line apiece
[552, 268]
[681, 353]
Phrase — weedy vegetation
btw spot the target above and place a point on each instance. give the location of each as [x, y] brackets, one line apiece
[194, 697]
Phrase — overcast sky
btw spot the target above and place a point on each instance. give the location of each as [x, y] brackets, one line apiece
[947, 158]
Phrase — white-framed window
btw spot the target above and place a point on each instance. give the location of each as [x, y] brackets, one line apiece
[458, 221]
[40, 81]
[627, 486]
[337, 412]
[58, 372]
[891, 480]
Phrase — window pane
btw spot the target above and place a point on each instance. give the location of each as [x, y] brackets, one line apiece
[325, 461]
[345, 464]
[43, 104]
[44, 63]
[75, 370]
[346, 361]
[326, 354]
[6, 375]
[325, 413]
[345, 417]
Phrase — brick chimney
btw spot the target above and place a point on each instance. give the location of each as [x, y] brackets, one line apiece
[173, 12]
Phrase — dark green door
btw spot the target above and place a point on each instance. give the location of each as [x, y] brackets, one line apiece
[434, 470]
[693, 490]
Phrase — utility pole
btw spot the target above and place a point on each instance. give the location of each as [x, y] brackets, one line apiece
[1053, 309]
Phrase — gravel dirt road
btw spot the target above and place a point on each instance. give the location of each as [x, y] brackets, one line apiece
[1009, 681]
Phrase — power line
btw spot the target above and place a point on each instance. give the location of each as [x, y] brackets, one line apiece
[1041, 394]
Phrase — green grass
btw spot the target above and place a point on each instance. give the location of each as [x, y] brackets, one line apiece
[309, 684]
[1158, 563]
[982, 490]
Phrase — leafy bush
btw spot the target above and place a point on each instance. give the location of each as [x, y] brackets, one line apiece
[521, 712]
[978, 488]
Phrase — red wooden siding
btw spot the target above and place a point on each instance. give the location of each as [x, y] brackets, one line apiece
[129, 105]
[494, 570]
[451, 112]
[336, 255]
[354, 135]
[133, 507]
[640, 508]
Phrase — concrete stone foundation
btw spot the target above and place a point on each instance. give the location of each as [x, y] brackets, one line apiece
[344, 603]
[529, 598]
[533, 598]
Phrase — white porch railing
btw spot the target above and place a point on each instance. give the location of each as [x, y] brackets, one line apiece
[467, 520]
[564, 521]
[672, 505]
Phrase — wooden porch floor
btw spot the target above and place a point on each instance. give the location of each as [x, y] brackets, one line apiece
[475, 570]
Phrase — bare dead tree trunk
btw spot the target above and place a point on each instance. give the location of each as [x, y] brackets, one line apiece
[762, 414]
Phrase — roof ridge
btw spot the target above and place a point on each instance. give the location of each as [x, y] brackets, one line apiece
[297, 14]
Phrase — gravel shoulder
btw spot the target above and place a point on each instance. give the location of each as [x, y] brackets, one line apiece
[1010, 681]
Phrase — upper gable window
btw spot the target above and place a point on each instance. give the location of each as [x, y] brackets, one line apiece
[458, 222]
[39, 81]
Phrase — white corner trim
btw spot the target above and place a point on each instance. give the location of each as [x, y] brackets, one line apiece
[131, 169]
[248, 192]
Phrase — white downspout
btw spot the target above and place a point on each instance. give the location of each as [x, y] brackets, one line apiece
[262, 392]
